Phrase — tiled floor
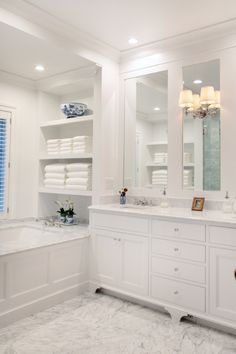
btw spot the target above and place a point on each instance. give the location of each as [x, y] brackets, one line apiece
[100, 324]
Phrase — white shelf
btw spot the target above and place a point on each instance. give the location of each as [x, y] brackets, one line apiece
[66, 156]
[154, 143]
[191, 164]
[156, 165]
[189, 142]
[65, 191]
[66, 122]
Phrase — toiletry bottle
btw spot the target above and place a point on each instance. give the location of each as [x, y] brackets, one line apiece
[164, 201]
[227, 204]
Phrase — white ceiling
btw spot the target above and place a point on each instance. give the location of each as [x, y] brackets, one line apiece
[114, 21]
[20, 52]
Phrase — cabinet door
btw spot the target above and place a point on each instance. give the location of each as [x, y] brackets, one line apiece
[223, 283]
[134, 263]
[104, 257]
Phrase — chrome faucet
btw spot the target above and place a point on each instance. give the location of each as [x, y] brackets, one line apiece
[141, 202]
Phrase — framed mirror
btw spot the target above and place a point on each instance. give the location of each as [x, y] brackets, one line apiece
[146, 131]
[200, 100]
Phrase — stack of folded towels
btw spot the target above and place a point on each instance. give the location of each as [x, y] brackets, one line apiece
[82, 144]
[65, 146]
[78, 176]
[160, 158]
[53, 146]
[78, 145]
[188, 178]
[188, 157]
[159, 177]
[55, 175]
[72, 176]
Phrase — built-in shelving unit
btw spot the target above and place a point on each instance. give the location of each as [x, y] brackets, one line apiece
[54, 125]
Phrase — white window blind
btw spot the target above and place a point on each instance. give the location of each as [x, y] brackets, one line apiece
[4, 160]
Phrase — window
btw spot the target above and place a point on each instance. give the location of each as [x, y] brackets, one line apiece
[5, 118]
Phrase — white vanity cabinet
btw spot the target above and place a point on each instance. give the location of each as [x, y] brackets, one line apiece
[119, 259]
[178, 256]
[185, 264]
[223, 272]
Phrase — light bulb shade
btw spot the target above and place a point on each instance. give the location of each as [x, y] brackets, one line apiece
[207, 95]
[186, 99]
[196, 101]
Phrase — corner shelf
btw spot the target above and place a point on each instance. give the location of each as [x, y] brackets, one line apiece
[191, 164]
[68, 121]
[65, 191]
[66, 156]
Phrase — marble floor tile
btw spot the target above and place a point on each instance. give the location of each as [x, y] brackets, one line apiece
[101, 324]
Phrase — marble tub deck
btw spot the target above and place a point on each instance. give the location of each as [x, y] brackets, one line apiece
[101, 324]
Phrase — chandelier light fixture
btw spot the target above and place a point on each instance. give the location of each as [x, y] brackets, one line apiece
[200, 106]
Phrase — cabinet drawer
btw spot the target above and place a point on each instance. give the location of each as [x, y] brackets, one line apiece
[178, 293]
[179, 250]
[179, 230]
[179, 270]
[223, 235]
[120, 222]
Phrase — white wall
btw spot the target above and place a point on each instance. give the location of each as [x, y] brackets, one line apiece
[24, 147]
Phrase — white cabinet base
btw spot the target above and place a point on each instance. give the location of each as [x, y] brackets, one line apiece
[176, 315]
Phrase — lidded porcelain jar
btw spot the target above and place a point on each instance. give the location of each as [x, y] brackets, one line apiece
[227, 206]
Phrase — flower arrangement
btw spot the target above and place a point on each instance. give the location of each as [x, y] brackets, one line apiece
[66, 209]
[123, 192]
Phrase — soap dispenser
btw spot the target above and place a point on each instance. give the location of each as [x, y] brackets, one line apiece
[227, 204]
[164, 201]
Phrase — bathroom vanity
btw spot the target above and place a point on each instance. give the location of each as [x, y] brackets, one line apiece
[181, 260]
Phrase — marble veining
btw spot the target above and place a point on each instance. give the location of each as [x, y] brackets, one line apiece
[101, 324]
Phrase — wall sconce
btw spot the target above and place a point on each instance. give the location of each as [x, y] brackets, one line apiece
[200, 106]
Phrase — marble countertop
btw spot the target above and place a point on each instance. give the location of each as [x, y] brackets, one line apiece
[206, 216]
[21, 236]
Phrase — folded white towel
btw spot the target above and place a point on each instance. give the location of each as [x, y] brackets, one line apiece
[54, 186]
[81, 151]
[55, 168]
[53, 146]
[55, 175]
[54, 181]
[67, 145]
[81, 138]
[78, 166]
[81, 143]
[53, 141]
[65, 141]
[80, 174]
[77, 187]
[65, 149]
[82, 181]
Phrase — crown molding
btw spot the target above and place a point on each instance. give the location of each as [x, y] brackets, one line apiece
[200, 35]
[16, 80]
[49, 27]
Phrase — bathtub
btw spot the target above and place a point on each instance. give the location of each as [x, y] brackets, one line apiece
[40, 267]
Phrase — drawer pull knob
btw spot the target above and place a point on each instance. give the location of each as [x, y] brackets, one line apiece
[119, 239]
[176, 249]
[176, 269]
[176, 292]
[176, 229]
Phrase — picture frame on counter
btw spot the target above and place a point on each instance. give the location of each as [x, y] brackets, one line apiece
[198, 204]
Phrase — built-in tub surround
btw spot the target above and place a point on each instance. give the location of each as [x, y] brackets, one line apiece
[40, 267]
[181, 260]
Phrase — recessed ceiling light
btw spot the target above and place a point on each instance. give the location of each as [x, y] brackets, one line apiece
[156, 109]
[132, 41]
[39, 67]
[197, 81]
